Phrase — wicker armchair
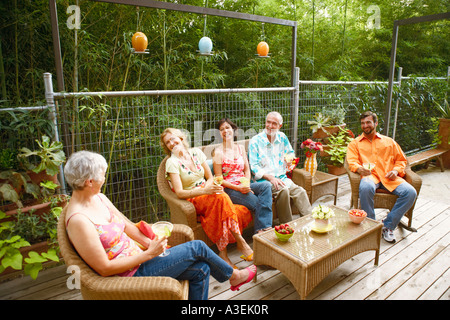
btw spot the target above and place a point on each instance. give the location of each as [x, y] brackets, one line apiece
[383, 198]
[96, 287]
[183, 212]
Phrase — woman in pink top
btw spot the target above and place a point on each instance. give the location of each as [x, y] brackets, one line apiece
[107, 242]
[230, 160]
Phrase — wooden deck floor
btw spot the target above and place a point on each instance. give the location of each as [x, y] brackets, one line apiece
[417, 266]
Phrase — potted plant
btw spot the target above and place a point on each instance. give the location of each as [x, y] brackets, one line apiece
[327, 122]
[28, 242]
[28, 221]
[34, 170]
[337, 150]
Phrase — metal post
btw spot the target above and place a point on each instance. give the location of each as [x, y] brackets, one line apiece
[56, 45]
[391, 79]
[295, 107]
[397, 102]
[49, 97]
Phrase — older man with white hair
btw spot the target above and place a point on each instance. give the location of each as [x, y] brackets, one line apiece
[267, 152]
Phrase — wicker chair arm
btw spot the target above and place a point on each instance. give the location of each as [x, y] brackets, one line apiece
[302, 178]
[413, 179]
[131, 288]
[181, 233]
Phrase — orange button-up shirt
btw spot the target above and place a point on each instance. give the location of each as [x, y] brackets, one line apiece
[384, 152]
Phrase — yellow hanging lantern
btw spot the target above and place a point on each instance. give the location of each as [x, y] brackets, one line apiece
[139, 42]
[262, 49]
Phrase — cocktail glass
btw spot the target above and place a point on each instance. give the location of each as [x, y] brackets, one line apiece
[162, 229]
[218, 180]
[369, 166]
[245, 182]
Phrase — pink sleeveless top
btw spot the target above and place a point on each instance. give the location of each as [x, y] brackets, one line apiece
[115, 241]
[233, 168]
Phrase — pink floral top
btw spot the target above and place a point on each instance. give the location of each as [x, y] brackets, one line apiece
[233, 168]
[115, 241]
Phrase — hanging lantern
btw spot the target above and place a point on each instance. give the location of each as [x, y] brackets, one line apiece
[139, 42]
[263, 49]
[205, 46]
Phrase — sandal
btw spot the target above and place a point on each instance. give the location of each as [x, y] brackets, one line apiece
[247, 258]
[251, 274]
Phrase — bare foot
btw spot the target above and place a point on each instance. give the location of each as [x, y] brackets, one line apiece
[242, 245]
[245, 249]
[224, 256]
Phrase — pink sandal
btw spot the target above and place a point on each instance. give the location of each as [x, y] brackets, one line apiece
[251, 274]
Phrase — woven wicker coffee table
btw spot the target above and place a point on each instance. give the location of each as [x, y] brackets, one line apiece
[308, 257]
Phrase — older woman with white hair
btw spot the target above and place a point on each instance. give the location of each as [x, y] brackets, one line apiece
[107, 242]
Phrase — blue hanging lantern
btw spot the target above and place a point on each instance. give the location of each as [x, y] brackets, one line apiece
[205, 46]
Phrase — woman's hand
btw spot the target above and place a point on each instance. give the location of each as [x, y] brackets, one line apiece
[156, 247]
[243, 189]
[213, 188]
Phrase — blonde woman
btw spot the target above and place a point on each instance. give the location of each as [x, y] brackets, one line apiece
[192, 180]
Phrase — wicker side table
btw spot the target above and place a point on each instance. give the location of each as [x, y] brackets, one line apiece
[308, 257]
[323, 184]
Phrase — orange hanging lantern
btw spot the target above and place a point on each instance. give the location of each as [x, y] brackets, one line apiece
[139, 42]
[262, 49]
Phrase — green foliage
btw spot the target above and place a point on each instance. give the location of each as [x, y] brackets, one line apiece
[337, 147]
[50, 156]
[28, 228]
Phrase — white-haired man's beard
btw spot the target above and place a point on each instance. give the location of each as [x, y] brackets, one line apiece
[271, 132]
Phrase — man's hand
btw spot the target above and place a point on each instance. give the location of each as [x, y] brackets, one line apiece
[364, 172]
[276, 183]
[391, 175]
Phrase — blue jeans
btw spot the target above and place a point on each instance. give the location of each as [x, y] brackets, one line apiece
[406, 197]
[259, 202]
[193, 261]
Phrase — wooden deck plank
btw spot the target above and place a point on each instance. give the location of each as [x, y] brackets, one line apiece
[440, 289]
[360, 267]
[425, 276]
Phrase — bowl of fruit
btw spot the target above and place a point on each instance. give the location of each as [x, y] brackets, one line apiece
[284, 232]
[357, 215]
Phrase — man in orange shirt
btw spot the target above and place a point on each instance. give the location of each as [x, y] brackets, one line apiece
[390, 162]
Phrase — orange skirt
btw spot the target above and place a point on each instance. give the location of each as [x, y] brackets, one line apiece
[219, 216]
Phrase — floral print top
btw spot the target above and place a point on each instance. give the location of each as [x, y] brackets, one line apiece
[233, 168]
[115, 241]
[190, 179]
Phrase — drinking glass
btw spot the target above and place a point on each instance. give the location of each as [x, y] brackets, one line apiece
[162, 229]
[218, 180]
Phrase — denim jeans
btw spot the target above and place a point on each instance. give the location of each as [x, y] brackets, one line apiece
[406, 197]
[193, 261]
[259, 202]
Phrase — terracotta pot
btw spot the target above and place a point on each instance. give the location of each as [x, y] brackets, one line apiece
[42, 176]
[324, 152]
[337, 171]
[322, 134]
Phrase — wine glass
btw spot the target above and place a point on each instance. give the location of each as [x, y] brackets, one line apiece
[369, 166]
[162, 229]
[218, 180]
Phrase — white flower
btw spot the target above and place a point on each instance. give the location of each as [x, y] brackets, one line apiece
[322, 212]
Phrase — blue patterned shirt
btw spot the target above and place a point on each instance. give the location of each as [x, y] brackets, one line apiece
[268, 158]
